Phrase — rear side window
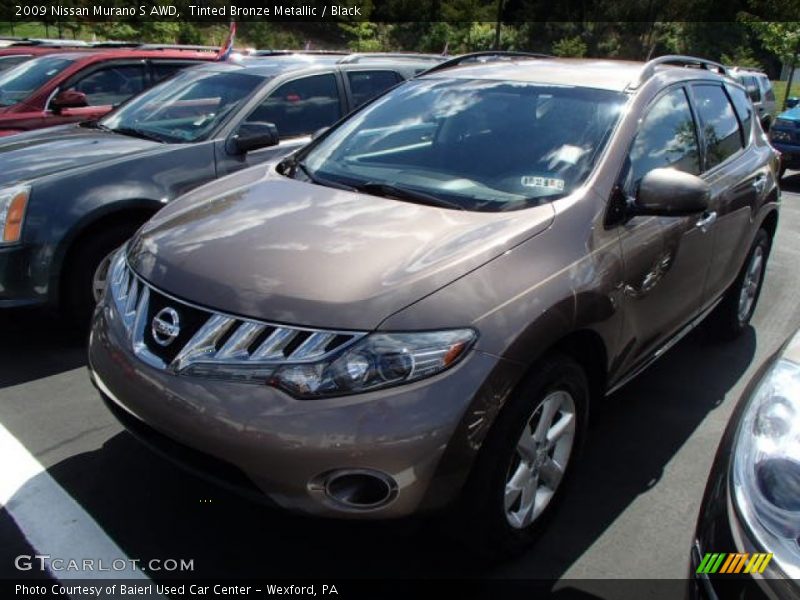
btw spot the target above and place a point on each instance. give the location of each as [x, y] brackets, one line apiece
[365, 85]
[766, 88]
[667, 138]
[744, 110]
[111, 86]
[718, 122]
[302, 106]
[751, 85]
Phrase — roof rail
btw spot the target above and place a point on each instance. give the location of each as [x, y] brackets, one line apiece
[177, 47]
[290, 52]
[357, 57]
[50, 43]
[480, 57]
[678, 60]
[114, 44]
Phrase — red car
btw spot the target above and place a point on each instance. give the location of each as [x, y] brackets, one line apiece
[65, 87]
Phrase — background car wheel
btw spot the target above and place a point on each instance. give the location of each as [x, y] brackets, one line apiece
[525, 462]
[87, 270]
[733, 314]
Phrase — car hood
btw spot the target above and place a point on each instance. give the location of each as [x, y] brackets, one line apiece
[292, 252]
[29, 156]
[793, 114]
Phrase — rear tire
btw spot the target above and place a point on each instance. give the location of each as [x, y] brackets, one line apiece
[733, 314]
[525, 462]
[86, 263]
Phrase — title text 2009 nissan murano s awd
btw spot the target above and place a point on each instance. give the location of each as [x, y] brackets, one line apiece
[416, 311]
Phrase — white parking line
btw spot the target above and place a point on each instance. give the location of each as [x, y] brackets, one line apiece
[53, 522]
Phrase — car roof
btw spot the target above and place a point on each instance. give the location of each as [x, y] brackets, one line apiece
[613, 75]
[269, 66]
[89, 56]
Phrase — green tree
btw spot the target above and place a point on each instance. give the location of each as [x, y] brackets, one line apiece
[782, 38]
[573, 47]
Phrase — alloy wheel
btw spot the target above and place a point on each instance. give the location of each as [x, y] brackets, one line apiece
[540, 459]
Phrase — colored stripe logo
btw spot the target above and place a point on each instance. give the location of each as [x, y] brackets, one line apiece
[722, 562]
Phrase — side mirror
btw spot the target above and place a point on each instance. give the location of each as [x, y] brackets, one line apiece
[671, 193]
[318, 133]
[252, 136]
[68, 99]
[792, 101]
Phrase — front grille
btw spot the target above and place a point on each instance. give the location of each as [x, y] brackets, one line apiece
[196, 335]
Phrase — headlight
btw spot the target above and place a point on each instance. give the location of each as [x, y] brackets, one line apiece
[13, 202]
[766, 465]
[378, 360]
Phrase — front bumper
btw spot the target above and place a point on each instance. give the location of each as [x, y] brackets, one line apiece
[16, 283]
[284, 447]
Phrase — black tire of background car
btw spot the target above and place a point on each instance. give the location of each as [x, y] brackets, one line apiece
[77, 298]
[478, 520]
[725, 318]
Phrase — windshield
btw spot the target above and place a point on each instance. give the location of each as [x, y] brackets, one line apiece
[6, 62]
[21, 81]
[474, 144]
[185, 108]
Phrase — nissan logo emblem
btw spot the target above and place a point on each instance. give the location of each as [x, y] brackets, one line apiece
[166, 326]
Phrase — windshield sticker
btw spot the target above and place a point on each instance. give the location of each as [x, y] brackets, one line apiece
[549, 183]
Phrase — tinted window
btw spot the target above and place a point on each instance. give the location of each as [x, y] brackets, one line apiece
[21, 81]
[111, 85]
[162, 71]
[744, 109]
[302, 106]
[479, 144]
[6, 62]
[667, 138]
[719, 125]
[365, 85]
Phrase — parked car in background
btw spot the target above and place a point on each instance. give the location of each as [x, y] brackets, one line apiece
[67, 87]
[18, 52]
[759, 88]
[785, 137]
[84, 189]
[748, 531]
[415, 311]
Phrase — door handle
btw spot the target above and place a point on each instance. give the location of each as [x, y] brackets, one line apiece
[707, 221]
[759, 183]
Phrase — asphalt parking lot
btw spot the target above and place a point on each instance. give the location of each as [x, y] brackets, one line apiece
[630, 513]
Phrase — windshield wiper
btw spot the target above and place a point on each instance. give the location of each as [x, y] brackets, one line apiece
[314, 178]
[388, 190]
[133, 132]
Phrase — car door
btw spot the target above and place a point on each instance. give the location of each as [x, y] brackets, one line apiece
[738, 177]
[666, 259]
[365, 84]
[298, 108]
[105, 86]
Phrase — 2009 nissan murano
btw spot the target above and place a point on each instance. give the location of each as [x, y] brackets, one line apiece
[417, 310]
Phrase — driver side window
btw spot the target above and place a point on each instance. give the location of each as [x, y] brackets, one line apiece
[112, 85]
[667, 138]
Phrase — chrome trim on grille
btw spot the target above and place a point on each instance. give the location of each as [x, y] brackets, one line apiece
[222, 338]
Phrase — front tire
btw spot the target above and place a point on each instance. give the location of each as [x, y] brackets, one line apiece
[87, 269]
[524, 464]
[733, 314]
